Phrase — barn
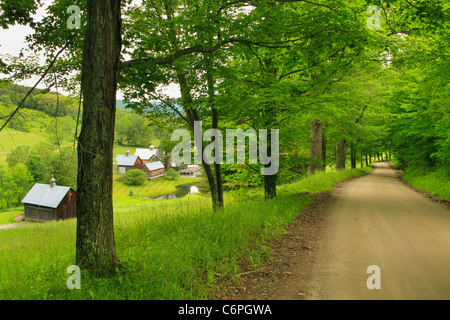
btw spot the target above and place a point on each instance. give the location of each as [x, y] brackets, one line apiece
[146, 155]
[126, 162]
[191, 170]
[50, 202]
[154, 169]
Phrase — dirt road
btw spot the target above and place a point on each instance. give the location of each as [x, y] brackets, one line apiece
[371, 220]
[377, 220]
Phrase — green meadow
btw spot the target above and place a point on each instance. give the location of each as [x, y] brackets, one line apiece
[169, 249]
[9, 139]
[143, 193]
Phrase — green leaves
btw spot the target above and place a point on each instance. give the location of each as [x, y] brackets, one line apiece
[14, 183]
[12, 12]
[135, 177]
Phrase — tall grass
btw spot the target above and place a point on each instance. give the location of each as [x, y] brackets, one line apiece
[177, 250]
[435, 183]
[322, 181]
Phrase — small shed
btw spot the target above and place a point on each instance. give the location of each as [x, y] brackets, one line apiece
[191, 170]
[126, 162]
[50, 202]
[154, 169]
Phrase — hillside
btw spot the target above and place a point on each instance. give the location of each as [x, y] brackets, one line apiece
[41, 137]
[10, 139]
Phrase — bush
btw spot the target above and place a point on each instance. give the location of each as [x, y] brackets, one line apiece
[171, 173]
[135, 177]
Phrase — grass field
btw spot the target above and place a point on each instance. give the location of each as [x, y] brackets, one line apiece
[7, 215]
[151, 188]
[177, 249]
[9, 139]
[121, 198]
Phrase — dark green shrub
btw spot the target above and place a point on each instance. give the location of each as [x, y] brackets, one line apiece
[135, 177]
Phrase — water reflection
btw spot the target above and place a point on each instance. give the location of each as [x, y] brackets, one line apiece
[182, 190]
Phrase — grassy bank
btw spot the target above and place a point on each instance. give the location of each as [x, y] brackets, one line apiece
[434, 182]
[176, 250]
[151, 188]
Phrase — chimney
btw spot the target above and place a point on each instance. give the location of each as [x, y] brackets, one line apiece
[127, 153]
[52, 182]
[152, 147]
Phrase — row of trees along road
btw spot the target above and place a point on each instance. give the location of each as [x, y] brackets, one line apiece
[312, 69]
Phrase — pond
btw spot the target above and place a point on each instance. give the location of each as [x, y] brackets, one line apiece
[182, 190]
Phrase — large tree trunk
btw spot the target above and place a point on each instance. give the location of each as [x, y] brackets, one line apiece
[352, 155]
[95, 244]
[315, 146]
[193, 116]
[270, 181]
[214, 125]
[270, 186]
[270, 115]
[324, 152]
[340, 155]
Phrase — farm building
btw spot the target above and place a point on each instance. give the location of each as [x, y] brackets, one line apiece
[50, 202]
[191, 170]
[146, 155]
[154, 169]
[127, 162]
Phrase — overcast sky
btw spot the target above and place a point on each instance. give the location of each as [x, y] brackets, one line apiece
[12, 40]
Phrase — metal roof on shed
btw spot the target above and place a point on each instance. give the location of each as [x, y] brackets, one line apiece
[43, 195]
[154, 165]
[124, 160]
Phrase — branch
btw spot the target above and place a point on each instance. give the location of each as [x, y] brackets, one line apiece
[310, 2]
[251, 167]
[313, 65]
[362, 113]
[387, 21]
[244, 3]
[197, 49]
[56, 113]
[412, 5]
[36, 84]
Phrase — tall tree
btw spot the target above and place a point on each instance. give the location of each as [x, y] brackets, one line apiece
[316, 144]
[95, 244]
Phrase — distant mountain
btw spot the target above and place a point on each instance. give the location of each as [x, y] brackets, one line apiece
[120, 104]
